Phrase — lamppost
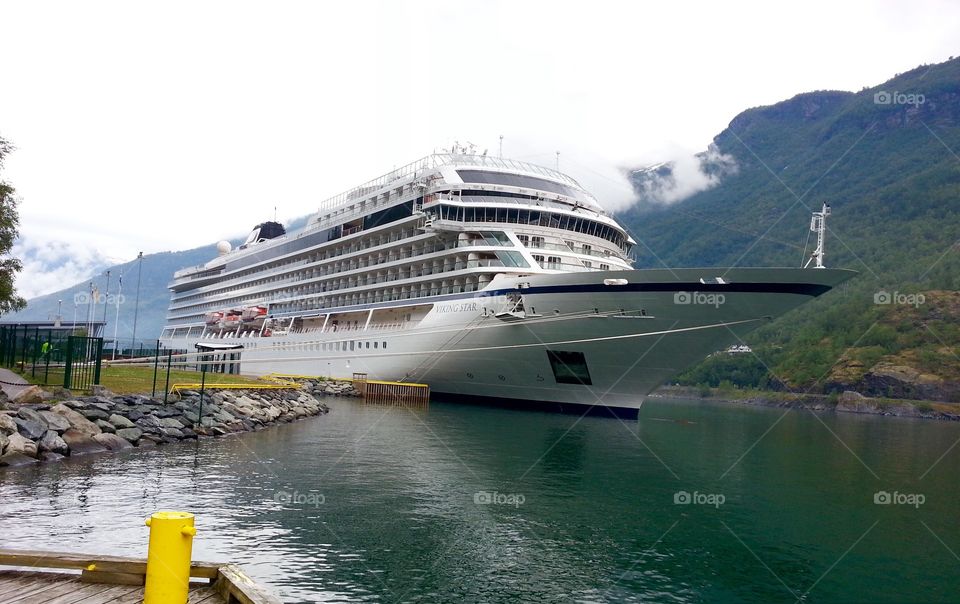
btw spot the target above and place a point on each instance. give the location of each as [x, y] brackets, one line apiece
[106, 295]
[59, 316]
[136, 304]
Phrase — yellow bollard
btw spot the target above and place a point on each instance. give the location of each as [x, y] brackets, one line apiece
[168, 557]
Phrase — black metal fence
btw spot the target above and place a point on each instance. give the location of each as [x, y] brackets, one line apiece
[51, 356]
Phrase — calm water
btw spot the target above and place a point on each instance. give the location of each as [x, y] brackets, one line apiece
[380, 504]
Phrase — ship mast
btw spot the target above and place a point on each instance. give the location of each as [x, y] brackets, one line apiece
[818, 224]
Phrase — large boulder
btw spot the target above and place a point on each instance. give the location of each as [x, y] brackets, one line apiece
[105, 426]
[130, 434]
[55, 421]
[4, 441]
[113, 442]
[94, 414]
[16, 459]
[7, 425]
[77, 421]
[170, 422]
[120, 421]
[29, 428]
[29, 395]
[51, 441]
[81, 443]
[19, 444]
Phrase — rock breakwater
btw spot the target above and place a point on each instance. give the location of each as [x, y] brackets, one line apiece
[52, 430]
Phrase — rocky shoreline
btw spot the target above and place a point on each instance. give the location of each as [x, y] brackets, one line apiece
[51, 430]
[846, 402]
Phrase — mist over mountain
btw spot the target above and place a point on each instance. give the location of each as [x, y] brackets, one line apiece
[885, 159]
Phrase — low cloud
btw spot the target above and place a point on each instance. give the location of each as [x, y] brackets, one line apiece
[49, 266]
[678, 179]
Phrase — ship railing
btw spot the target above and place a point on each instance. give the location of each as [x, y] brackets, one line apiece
[434, 161]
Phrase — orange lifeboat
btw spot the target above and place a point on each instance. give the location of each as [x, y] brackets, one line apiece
[252, 314]
[212, 318]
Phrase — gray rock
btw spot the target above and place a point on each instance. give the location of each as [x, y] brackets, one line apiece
[4, 441]
[134, 414]
[130, 434]
[172, 432]
[149, 421]
[29, 428]
[95, 414]
[29, 395]
[98, 390]
[15, 459]
[75, 404]
[105, 426]
[77, 421]
[113, 442]
[52, 442]
[150, 438]
[7, 425]
[191, 417]
[55, 421]
[50, 456]
[32, 415]
[81, 443]
[120, 421]
[170, 422]
[188, 433]
[18, 444]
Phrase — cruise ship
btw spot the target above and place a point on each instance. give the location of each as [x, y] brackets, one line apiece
[484, 277]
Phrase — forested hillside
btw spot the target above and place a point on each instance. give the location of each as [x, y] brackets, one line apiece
[886, 160]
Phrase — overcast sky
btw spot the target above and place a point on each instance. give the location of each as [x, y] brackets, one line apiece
[168, 125]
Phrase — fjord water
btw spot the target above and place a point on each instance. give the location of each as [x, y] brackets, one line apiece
[475, 504]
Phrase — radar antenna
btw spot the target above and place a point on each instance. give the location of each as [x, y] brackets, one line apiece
[818, 224]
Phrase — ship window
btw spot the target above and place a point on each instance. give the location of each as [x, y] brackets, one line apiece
[515, 180]
[376, 344]
[512, 259]
[524, 239]
[569, 367]
[351, 345]
[368, 345]
[384, 344]
[604, 267]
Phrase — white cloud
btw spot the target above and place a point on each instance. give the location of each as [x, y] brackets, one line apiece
[49, 266]
[677, 179]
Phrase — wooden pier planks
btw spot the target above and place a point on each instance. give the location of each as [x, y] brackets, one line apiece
[113, 580]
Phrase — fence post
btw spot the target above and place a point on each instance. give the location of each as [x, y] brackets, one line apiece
[96, 369]
[156, 362]
[68, 363]
[166, 389]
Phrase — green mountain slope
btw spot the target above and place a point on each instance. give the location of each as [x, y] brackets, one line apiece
[892, 175]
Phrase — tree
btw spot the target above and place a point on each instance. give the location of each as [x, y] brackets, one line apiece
[9, 221]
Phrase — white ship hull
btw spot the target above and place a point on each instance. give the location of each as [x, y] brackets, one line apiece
[595, 339]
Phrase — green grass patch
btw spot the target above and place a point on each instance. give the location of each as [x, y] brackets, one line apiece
[139, 380]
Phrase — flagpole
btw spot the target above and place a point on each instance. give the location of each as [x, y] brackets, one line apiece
[116, 321]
